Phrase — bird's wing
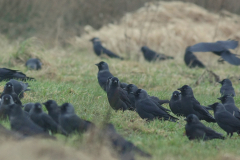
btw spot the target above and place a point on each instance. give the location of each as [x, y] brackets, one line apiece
[197, 107]
[51, 124]
[206, 47]
[158, 102]
[228, 119]
[123, 96]
[109, 53]
[230, 58]
[212, 134]
[230, 44]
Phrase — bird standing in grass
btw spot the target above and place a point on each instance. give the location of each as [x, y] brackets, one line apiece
[227, 88]
[7, 74]
[9, 89]
[34, 64]
[191, 60]
[151, 55]
[99, 49]
[175, 103]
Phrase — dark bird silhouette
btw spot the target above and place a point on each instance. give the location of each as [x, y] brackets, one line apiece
[123, 85]
[7, 74]
[34, 64]
[70, 122]
[191, 106]
[227, 88]
[9, 89]
[99, 49]
[28, 106]
[151, 55]
[220, 48]
[196, 130]
[117, 97]
[44, 120]
[229, 104]
[175, 103]
[131, 88]
[6, 101]
[147, 109]
[19, 87]
[21, 123]
[120, 144]
[103, 74]
[225, 120]
[191, 60]
[53, 109]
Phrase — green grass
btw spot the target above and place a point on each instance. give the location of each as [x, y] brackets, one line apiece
[70, 76]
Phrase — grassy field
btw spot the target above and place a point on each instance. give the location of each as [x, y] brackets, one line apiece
[69, 75]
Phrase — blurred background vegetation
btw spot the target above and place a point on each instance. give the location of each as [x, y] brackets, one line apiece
[60, 19]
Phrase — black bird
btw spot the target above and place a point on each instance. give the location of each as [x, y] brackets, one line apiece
[123, 85]
[220, 48]
[147, 109]
[9, 89]
[151, 55]
[227, 88]
[34, 64]
[99, 49]
[196, 130]
[21, 123]
[28, 106]
[53, 110]
[175, 104]
[191, 106]
[7, 74]
[19, 87]
[225, 120]
[191, 60]
[6, 101]
[103, 74]
[120, 144]
[117, 97]
[131, 88]
[70, 122]
[229, 104]
[44, 120]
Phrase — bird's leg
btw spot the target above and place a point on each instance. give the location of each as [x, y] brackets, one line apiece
[231, 135]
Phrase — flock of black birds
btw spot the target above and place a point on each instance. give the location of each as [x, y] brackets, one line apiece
[29, 119]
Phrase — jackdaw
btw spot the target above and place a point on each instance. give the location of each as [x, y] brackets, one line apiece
[19, 87]
[147, 109]
[7, 74]
[227, 88]
[117, 97]
[53, 109]
[99, 49]
[34, 64]
[197, 130]
[220, 48]
[175, 104]
[225, 120]
[70, 122]
[151, 55]
[28, 106]
[6, 101]
[229, 104]
[191, 106]
[103, 74]
[9, 89]
[191, 60]
[44, 120]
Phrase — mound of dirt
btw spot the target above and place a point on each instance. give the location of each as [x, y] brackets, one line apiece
[167, 27]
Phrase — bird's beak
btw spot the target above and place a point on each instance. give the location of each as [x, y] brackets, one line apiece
[219, 98]
[220, 82]
[180, 89]
[185, 119]
[44, 103]
[97, 64]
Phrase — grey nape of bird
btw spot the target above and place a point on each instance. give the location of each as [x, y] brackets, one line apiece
[225, 120]
[53, 109]
[151, 55]
[44, 120]
[117, 97]
[147, 109]
[7, 74]
[220, 48]
[19, 87]
[99, 49]
[120, 144]
[9, 89]
[191, 60]
[227, 88]
[103, 74]
[34, 64]
[229, 104]
[191, 106]
[197, 130]
[175, 103]
[70, 122]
